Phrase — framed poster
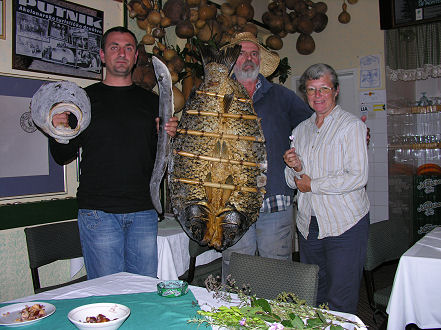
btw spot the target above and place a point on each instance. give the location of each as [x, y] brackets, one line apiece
[57, 37]
[26, 165]
[3, 18]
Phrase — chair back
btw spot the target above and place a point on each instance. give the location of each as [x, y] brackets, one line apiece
[49, 243]
[387, 241]
[267, 278]
[196, 275]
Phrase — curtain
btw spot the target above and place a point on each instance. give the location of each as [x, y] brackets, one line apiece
[414, 52]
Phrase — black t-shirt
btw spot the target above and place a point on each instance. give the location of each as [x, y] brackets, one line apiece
[118, 149]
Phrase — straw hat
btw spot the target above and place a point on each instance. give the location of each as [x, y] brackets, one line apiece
[269, 60]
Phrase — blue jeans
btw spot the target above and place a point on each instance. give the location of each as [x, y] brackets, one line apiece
[113, 243]
[270, 236]
[341, 259]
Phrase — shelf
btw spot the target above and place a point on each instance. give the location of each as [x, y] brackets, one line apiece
[414, 110]
[418, 146]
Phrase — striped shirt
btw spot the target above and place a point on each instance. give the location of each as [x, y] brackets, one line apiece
[335, 157]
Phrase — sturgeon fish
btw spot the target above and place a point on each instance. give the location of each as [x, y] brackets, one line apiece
[217, 165]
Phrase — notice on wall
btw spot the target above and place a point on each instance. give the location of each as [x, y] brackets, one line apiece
[370, 76]
[374, 100]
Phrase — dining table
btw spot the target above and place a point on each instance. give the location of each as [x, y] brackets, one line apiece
[416, 291]
[148, 309]
[173, 253]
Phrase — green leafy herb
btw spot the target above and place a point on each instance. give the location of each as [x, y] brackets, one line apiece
[285, 312]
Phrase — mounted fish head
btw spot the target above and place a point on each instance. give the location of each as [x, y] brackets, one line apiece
[220, 230]
[165, 113]
[58, 97]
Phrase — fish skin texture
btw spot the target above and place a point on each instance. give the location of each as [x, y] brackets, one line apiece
[215, 216]
[165, 112]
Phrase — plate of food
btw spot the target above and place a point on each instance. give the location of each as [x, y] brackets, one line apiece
[26, 313]
[109, 316]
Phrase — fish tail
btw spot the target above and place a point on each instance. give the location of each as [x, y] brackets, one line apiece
[226, 57]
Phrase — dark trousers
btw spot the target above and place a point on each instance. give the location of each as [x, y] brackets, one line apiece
[341, 259]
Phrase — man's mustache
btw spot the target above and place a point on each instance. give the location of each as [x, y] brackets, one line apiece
[250, 63]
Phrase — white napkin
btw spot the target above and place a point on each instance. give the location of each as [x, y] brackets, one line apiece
[75, 266]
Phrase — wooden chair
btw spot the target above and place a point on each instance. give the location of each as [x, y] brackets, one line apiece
[49, 243]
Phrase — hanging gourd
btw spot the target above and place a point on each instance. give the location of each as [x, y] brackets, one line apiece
[344, 16]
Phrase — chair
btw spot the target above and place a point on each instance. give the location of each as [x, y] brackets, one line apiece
[49, 243]
[267, 278]
[387, 241]
[196, 275]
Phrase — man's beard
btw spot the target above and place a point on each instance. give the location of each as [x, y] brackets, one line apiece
[247, 75]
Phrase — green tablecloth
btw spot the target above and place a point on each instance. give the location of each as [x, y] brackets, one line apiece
[147, 311]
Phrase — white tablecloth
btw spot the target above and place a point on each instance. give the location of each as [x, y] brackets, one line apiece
[126, 283]
[416, 292]
[173, 256]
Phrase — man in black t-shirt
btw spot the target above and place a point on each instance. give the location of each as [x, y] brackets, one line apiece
[117, 222]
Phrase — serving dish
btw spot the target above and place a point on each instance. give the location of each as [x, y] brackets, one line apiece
[10, 314]
[116, 313]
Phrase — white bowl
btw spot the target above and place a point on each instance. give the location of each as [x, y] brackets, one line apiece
[115, 312]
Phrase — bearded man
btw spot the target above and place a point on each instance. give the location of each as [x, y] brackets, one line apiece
[281, 110]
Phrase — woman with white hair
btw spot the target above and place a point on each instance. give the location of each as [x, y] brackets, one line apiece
[328, 164]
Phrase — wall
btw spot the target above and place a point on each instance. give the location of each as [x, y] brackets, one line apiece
[15, 277]
[341, 45]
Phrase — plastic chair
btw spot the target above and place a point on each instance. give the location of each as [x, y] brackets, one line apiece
[196, 275]
[49, 243]
[387, 242]
[267, 278]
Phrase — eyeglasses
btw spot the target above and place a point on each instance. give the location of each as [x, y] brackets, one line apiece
[325, 90]
[252, 54]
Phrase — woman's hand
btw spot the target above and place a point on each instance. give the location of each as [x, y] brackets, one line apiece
[304, 183]
[292, 160]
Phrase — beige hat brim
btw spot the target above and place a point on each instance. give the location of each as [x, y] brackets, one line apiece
[269, 61]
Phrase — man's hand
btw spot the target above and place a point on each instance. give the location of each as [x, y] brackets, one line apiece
[170, 126]
[61, 119]
[304, 183]
[368, 136]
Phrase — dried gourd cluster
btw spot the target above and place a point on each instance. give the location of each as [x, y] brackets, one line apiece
[299, 16]
[201, 18]
[207, 21]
